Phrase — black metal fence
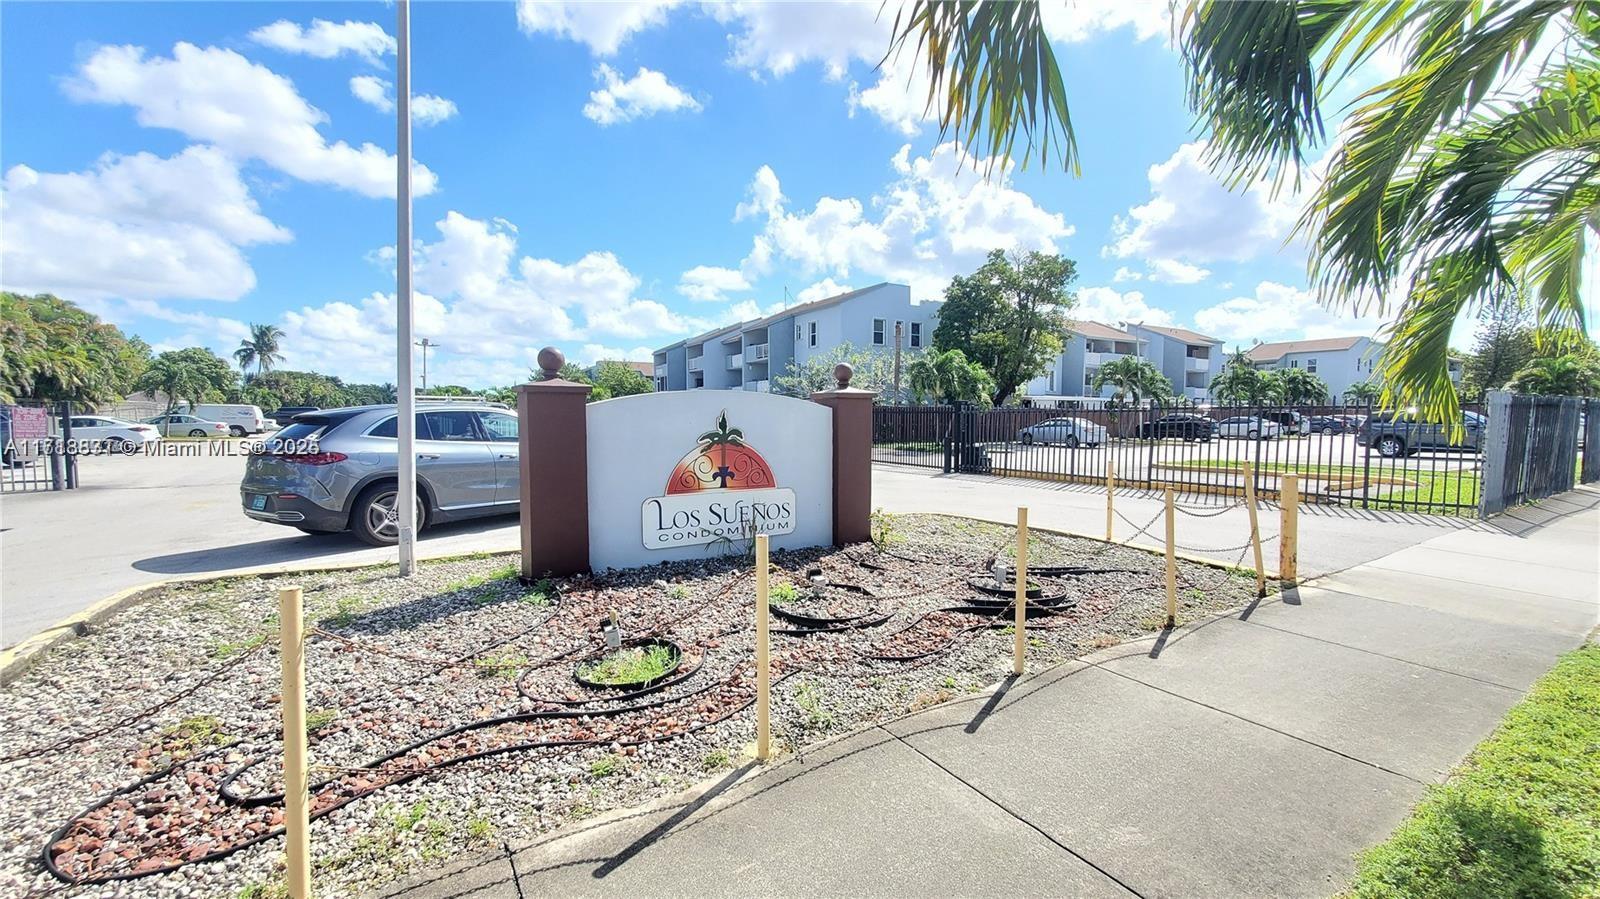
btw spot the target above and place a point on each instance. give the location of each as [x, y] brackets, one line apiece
[1533, 446]
[1340, 454]
[34, 437]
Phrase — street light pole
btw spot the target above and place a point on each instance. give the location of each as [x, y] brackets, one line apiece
[406, 399]
[426, 345]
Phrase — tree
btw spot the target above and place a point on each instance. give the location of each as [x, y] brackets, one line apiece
[1503, 346]
[194, 375]
[1422, 195]
[1135, 380]
[1297, 387]
[1362, 392]
[949, 377]
[1240, 383]
[1574, 374]
[872, 370]
[276, 389]
[50, 349]
[571, 371]
[618, 379]
[260, 348]
[1010, 316]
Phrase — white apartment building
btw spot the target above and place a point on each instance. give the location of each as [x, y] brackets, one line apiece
[1338, 361]
[1189, 360]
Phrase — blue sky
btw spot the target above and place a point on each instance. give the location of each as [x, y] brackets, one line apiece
[606, 178]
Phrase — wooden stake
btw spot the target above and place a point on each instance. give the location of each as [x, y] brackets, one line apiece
[1255, 528]
[1289, 528]
[1172, 562]
[297, 804]
[1111, 489]
[1020, 644]
[763, 658]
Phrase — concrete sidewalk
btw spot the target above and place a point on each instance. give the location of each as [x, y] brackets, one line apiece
[1250, 755]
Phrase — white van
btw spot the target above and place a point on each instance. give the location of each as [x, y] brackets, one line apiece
[241, 420]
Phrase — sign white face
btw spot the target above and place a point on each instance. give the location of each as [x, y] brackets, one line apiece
[755, 464]
[707, 516]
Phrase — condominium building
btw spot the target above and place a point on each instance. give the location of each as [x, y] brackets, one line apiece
[1189, 359]
[1338, 361]
[747, 355]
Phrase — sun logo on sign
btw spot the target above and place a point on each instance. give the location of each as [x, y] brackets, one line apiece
[721, 461]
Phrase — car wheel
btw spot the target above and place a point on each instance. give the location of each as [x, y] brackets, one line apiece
[1390, 447]
[1072, 441]
[197, 433]
[1027, 439]
[236, 431]
[373, 518]
[1254, 435]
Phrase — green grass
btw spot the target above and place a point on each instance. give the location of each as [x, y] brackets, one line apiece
[504, 572]
[782, 593]
[317, 719]
[1520, 817]
[1436, 491]
[508, 665]
[222, 649]
[631, 665]
[605, 766]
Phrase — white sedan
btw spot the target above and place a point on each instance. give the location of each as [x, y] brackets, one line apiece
[114, 433]
[1068, 432]
[178, 424]
[1248, 426]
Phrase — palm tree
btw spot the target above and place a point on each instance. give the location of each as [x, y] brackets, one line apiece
[260, 348]
[1569, 375]
[949, 376]
[1297, 386]
[1421, 197]
[1362, 392]
[1240, 383]
[1134, 380]
[721, 438]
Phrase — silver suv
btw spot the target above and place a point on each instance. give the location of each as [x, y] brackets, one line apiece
[335, 469]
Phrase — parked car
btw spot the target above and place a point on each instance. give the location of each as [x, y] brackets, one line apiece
[1328, 424]
[1249, 426]
[1287, 422]
[242, 420]
[1068, 432]
[286, 414]
[1395, 434]
[336, 469]
[182, 424]
[113, 433]
[1183, 425]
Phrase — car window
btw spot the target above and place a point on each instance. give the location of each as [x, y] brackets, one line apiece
[386, 428]
[501, 427]
[301, 431]
[452, 425]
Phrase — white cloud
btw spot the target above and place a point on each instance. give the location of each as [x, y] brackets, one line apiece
[137, 227]
[938, 217]
[645, 94]
[775, 38]
[1081, 20]
[711, 284]
[1194, 217]
[245, 109]
[821, 290]
[1103, 304]
[426, 109]
[325, 39]
[590, 353]
[1171, 271]
[1126, 274]
[1280, 312]
[602, 26]
[899, 97]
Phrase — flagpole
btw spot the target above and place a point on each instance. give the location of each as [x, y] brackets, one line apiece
[405, 399]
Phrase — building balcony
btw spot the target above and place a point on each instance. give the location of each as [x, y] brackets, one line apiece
[736, 362]
[1095, 360]
[756, 353]
[1198, 394]
[698, 363]
[661, 371]
[1196, 363]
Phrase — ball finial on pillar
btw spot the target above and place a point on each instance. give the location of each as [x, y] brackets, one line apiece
[550, 362]
[842, 373]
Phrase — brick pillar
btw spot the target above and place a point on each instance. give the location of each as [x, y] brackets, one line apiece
[852, 458]
[553, 441]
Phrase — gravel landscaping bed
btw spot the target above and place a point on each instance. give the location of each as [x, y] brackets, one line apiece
[445, 718]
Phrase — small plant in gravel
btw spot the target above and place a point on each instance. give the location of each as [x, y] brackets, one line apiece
[782, 593]
[223, 649]
[318, 719]
[677, 591]
[882, 529]
[605, 766]
[480, 829]
[544, 592]
[346, 610]
[500, 666]
[630, 665]
[265, 889]
[189, 736]
[716, 760]
[808, 699]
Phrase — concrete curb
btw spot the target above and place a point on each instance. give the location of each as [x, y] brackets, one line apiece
[21, 657]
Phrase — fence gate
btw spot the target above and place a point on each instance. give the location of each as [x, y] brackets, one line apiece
[1532, 448]
[32, 451]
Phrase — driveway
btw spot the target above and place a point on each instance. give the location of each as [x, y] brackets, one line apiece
[145, 518]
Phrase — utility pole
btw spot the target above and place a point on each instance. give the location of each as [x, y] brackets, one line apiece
[426, 345]
[897, 327]
[405, 506]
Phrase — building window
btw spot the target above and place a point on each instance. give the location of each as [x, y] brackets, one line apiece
[1311, 366]
[1052, 378]
[916, 334]
[811, 335]
[1294, 363]
[877, 332]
